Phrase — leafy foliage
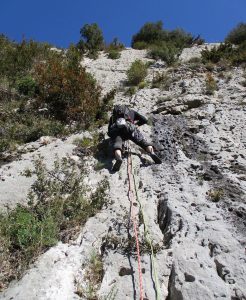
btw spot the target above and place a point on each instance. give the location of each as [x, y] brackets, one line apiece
[238, 35]
[17, 59]
[164, 51]
[150, 33]
[227, 53]
[27, 86]
[93, 276]
[91, 39]
[137, 72]
[113, 54]
[68, 91]
[21, 123]
[217, 53]
[163, 44]
[161, 80]
[61, 92]
[115, 45]
[114, 49]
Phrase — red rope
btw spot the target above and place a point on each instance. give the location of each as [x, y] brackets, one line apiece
[135, 223]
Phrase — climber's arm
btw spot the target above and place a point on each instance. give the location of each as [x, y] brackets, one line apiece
[140, 119]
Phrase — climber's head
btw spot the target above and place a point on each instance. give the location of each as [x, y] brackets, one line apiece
[119, 111]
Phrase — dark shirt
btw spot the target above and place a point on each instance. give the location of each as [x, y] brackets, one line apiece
[131, 117]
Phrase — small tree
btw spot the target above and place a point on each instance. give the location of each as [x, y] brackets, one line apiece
[91, 39]
[150, 33]
[69, 93]
[237, 35]
[154, 34]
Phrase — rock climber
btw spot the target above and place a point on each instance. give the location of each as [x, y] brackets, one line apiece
[123, 125]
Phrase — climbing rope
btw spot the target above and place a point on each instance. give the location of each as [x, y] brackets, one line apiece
[149, 241]
[134, 218]
[146, 231]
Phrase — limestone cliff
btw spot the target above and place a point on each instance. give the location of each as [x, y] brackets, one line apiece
[194, 202]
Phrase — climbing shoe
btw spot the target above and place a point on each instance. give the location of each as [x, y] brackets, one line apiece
[155, 158]
[117, 165]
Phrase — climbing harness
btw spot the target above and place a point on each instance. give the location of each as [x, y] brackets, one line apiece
[133, 197]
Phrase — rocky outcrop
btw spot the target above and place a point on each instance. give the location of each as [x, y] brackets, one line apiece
[195, 51]
[193, 203]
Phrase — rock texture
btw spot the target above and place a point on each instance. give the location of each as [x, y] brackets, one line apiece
[194, 202]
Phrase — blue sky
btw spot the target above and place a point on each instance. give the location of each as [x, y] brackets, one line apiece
[59, 22]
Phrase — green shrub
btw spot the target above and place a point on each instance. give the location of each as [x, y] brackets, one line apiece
[21, 123]
[24, 230]
[149, 33]
[194, 60]
[34, 127]
[137, 72]
[92, 279]
[4, 145]
[239, 55]
[73, 56]
[195, 63]
[216, 195]
[89, 143]
[153, 34]
[217, 53]
[142, 85]
[27, 86]
[69, 92]
[140, 45]
[17, 59]
[180, 39]
[63, 94]
[237, 35]
[131, 91]
[114, 45]
[166, 52]
[114, 48]
[225, 53]
[161, 80]
[91, 39]
[114, 54]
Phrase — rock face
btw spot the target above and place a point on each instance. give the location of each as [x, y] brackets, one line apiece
[193, 204]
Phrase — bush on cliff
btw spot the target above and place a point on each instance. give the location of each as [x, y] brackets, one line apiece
[69, 93]
[137, 72]
[91, 39]
[232, 55]
[45, 93]
[237, 35]
[18, 59]
[163, 44]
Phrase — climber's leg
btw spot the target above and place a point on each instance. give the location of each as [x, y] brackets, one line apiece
[139, 139]
[117, 148]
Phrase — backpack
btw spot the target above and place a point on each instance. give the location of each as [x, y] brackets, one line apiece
[121, 111]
